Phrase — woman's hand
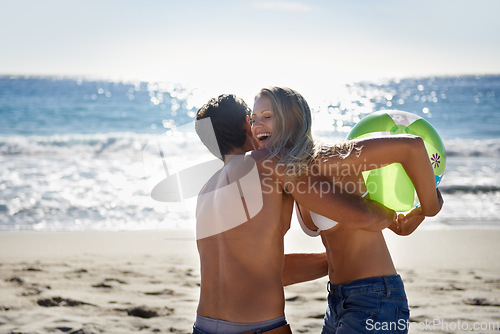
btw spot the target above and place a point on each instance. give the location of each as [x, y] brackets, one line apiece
[406, 224]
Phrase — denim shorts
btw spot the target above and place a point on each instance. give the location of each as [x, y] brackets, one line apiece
[369, 305]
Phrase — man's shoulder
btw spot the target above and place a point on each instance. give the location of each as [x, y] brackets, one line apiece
[264, 160]
[264, 156]
[268, 165]
[260, 154]
[211, 184]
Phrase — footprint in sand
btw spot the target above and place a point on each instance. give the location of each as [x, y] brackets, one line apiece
[480, 302]
[16, 280]
[31, 289]
[295, 298]
[451, 287]
[102, 285]
[164, 292]
[106, 282]
[147, 312]
[78, 273]
[86, 329]
[33, 268]
[58, 301]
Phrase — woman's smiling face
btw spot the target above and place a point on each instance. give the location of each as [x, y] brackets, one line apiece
[262, 120]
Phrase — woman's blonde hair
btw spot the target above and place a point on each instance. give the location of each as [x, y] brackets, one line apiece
[291, 140]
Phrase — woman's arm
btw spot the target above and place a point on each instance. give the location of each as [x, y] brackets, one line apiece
[304, 267]
[372, 153]
[316, 193]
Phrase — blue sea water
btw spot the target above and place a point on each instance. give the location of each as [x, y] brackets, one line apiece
[72, 150]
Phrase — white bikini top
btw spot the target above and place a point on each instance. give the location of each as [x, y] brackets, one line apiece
[321, 222]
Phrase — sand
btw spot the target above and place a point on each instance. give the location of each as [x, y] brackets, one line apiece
[148, 282]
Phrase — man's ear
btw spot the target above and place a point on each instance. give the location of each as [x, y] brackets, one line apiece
[248, 125]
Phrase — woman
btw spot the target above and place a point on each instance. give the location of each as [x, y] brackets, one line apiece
[365, 292]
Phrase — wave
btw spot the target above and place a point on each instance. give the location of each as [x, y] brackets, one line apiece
[472, 147]
[129, 143]
[93, 144]
[116, 145]
[471, 189]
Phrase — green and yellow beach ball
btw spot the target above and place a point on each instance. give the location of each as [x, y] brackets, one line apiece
[390, 185]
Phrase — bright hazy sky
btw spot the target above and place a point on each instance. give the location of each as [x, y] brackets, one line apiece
[237, 45]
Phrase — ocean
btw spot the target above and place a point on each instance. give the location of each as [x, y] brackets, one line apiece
[75, 153]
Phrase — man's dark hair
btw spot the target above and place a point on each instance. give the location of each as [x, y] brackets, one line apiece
[227, 115]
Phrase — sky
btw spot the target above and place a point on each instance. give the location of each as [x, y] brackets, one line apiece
[240, 46]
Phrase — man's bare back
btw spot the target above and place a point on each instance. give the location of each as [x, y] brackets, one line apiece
[242, 268]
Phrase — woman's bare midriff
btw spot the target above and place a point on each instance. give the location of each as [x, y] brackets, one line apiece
[355, 253]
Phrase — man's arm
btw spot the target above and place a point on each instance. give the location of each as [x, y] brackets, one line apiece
[304, 267]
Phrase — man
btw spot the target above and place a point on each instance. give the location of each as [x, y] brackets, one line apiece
[243, 213]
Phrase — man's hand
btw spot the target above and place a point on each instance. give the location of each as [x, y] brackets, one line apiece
[440, 199]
